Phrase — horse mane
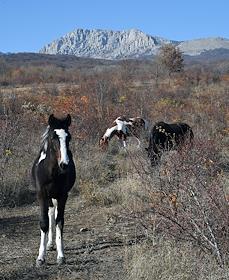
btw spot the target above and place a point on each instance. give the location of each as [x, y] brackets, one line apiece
[44, 138]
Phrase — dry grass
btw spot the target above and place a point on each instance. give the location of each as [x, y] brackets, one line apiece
[171, 261]
[157, 200]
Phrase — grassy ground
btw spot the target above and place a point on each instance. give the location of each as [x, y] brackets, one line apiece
[111, 246]
[166, 222]
[93, 253]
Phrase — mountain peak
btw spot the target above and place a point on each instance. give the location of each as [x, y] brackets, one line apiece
[108, 44]
[132, 43]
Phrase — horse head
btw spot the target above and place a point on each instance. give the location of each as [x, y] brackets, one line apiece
[59, 138]
[103, 142]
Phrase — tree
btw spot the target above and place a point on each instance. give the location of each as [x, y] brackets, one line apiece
[171, 58]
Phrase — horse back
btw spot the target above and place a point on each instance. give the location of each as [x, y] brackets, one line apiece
[164, 133]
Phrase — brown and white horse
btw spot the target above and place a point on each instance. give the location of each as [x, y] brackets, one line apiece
[122, 128]
[53, 175]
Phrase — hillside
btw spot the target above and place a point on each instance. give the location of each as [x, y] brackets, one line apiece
[133, 43]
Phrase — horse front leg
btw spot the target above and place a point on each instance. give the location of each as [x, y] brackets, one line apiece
[59, 230]
[123, 140]
[154, 154]
[51, 214]
[44, 226]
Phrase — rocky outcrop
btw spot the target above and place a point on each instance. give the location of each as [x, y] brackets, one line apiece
[133, 43]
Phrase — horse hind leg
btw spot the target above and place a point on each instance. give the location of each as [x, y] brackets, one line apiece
[59, 230]
[139, 142]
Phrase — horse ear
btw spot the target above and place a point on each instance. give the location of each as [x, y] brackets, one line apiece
[68, 120]
[51, 120]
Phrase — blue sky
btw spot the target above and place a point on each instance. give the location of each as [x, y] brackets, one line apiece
[27, 25]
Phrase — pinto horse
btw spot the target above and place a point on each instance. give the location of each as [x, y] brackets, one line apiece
[124, 127]
[53, 175]
[166, 136]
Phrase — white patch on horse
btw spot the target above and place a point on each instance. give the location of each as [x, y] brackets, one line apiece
[54, 201]
[109, 131]
[44, 150]
[63, 148]
[42, 157]
[130, 122]
[121, 126]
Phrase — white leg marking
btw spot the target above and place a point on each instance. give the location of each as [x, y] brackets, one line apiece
[51, 227]
[42, 249]
[124, 143]
[59, 243]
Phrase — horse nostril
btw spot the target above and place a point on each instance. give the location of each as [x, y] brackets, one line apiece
[63, 165]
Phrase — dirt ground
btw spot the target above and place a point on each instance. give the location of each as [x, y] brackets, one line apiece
[96, 239]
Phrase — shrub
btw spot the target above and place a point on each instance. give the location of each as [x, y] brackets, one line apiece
[187, 196]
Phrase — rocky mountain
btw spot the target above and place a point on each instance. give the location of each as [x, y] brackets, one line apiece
[133, 43]
[198, 46]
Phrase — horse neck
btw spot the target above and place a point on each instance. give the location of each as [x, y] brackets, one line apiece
[110, 132]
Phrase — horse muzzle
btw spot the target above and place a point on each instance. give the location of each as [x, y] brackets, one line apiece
[63, 166]
[103, 143]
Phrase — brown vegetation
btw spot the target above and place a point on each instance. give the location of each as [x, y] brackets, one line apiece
[180, 207]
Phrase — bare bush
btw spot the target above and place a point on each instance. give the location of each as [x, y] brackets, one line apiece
[187, 197]
[16, 156]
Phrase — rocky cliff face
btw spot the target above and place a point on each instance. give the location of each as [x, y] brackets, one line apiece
[132, 43]
[105, 44]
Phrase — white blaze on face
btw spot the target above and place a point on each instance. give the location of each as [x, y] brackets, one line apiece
[63, 147]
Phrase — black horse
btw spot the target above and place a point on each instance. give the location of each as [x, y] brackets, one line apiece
[166, 136]
[53, 175]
